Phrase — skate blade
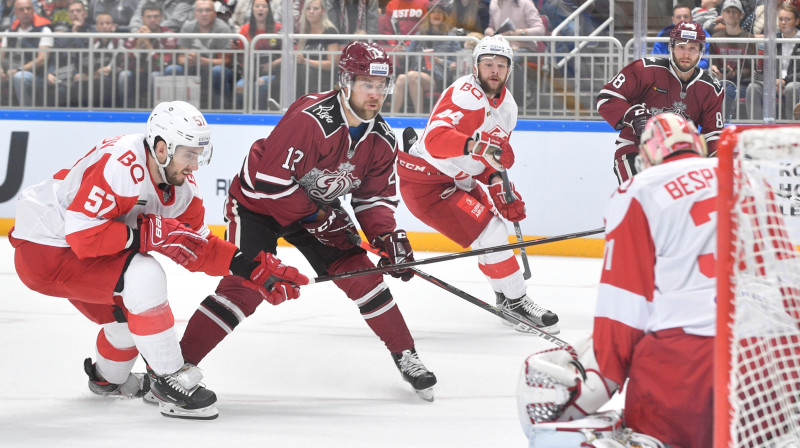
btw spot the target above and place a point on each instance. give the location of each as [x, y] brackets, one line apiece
[523, 328]
[170, 410]
[150, 398]
[425, 394]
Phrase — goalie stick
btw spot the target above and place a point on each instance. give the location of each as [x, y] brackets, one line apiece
[530, 327]
[471, 253]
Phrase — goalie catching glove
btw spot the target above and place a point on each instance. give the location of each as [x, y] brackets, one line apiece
[275, 281]
[171, 238]
[333, 228]
[513, 208]
[636, 117]
[495, 152]
[395, 249]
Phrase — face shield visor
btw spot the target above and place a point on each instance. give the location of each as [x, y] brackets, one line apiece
[190, 155]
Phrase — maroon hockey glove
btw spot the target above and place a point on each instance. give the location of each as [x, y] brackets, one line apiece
[493, 151]
[275, 281]
[395, 249]
[170, 237]
[333, 228]
[636, 117]
[514, 210]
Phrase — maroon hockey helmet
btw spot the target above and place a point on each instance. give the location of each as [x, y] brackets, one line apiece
[685, 32]
[362, 58]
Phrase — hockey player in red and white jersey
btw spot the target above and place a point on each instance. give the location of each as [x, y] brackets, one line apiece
[649, 86]
[85, 234]
[463, 148]
[327, 145]
[656, 311]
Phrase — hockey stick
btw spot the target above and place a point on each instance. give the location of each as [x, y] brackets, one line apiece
[526, 273]
[529, 326]
[472, 253]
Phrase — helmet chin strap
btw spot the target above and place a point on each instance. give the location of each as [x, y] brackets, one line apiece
[347, 105]
[161, 167]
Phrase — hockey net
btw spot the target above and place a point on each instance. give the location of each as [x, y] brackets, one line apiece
[757, 365]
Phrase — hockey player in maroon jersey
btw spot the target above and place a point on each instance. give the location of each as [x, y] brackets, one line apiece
[463, 148]
[85, 234]
[327, 145]
[653, 85]
[655, 318]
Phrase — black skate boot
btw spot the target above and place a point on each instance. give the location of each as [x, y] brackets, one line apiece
[415, 373]
[525, 308]
[182, 396]
[135, 386]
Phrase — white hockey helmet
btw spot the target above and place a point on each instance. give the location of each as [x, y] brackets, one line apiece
[492, 45]
[668, 133]
[178, 123]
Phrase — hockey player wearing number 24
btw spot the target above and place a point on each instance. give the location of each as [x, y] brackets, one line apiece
[649, 86]
[327, 145]
[85, 234]
[464, 144]
[655, 319]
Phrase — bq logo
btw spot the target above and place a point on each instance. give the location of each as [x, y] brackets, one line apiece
[17, 151]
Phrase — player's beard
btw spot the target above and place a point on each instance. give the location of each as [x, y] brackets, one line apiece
[364, 113]
[490, 93]
[676, 63]
[174, 177]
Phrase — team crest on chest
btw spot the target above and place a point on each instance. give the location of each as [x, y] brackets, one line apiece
[325, 185]
[678, 107]
[497, 131]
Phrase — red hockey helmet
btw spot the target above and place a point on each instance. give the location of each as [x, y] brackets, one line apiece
[685, 32]
[668, 133]
[366, 59]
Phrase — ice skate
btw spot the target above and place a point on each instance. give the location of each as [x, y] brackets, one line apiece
[182, 396]
[415, 373]
[525, 308]
[135, 386]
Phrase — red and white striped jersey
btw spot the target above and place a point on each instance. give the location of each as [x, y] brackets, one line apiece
[89, 206]
[463, 111]
[658, 268]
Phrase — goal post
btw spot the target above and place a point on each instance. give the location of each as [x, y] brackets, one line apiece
[757, 348]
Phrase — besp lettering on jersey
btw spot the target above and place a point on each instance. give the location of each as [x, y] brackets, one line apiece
[691, 182]
[137, 171]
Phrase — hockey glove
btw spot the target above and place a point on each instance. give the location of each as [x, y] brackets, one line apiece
[397, 249]
[275, 281]
[636, 117]
[513, 210]
[332, 230]
[495, 152]
[170, 237]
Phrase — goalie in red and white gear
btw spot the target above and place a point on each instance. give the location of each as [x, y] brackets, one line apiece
[450, 178]
[654, 324]
[86, 233]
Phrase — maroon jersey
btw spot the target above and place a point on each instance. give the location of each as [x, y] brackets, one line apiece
[652, 82]
[309, 160]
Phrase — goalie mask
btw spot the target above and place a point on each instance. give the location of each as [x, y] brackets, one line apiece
[686, 33]
[666, 134]
[496, 45]
[178, 123]
[364, 59]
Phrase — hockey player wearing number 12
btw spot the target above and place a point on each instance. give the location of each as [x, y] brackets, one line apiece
[466, 143]
[651, 85]
[327, 145]
[85, 234]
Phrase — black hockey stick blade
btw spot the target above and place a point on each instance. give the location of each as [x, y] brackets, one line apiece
[526, 268]
[471, 253]
[409, 138]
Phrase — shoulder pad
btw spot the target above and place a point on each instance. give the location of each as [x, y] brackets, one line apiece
[656, 62]
[708, 78]
[327, 113]
[382, 128]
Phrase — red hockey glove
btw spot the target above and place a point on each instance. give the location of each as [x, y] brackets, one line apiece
[636, 117]
[398, 250]
[514, 210]
[170, 237]
[493, 151]
[333, 229]
[275, 281]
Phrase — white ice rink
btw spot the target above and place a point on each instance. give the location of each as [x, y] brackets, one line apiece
[308, 373]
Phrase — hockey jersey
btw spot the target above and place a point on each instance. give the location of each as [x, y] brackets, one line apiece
[652, 81]
[90, 206]
[310, 159]
[463, 111]
[658, 269]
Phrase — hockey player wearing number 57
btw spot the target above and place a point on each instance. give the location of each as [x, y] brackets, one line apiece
[651, 85]
[655, 318]
[85, 234]
[464, 144]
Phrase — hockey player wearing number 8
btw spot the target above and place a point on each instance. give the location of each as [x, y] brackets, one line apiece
[327, 145]
[653, 85]
[655, 319]
[85, 234]
[464, 144]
